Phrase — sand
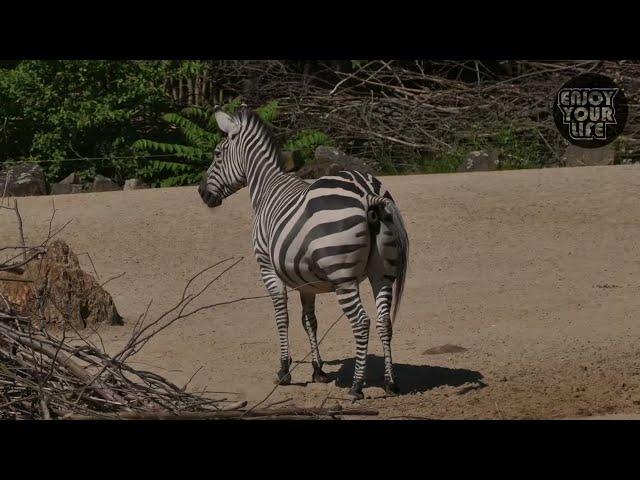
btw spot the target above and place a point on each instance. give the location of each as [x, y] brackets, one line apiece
[523, 286]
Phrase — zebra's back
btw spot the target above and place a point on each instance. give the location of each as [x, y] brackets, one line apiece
[318, 236]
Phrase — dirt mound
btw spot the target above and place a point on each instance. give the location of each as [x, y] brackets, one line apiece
[54, 288]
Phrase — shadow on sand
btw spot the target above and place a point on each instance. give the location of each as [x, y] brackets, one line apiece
[410, 378]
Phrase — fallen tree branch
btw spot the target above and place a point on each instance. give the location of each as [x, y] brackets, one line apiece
[235, 412]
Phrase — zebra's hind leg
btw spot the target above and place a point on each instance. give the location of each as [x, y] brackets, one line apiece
[278, 292]
[349, 298]
[310, 324]
[383, 292]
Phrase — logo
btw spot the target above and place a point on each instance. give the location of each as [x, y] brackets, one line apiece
[590, 110]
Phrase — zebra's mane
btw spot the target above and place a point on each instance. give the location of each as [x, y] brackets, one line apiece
[248, 117]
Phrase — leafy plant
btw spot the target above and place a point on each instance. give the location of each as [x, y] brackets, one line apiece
[200, 133]
[306, 142]
[518, 149]
[269, 112]
[56, 110]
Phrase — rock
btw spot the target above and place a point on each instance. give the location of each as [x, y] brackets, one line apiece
[23, 180]
[479, 161]
[448, 348]
[134, 184]
[59, 291]
[583, 157]
[104, 184]
[291, 160]
[329, 161]
[72, 178]
[65, 188]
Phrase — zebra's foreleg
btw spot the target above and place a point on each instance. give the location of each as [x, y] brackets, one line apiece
[383, 292]
[278, 292]
[349, 299]
[310, 324]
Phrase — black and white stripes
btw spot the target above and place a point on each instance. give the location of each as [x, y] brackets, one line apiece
[323, 237]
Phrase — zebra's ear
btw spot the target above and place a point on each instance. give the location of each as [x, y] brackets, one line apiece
[226, 123]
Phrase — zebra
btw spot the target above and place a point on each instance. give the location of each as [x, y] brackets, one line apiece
[322, 237]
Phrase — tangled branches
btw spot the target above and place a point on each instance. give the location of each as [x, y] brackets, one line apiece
[413, 108]
[43, 376]
[48, 377]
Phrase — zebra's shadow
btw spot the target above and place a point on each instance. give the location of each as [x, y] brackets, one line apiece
[410, 378]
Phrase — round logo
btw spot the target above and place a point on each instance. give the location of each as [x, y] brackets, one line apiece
[590, 110]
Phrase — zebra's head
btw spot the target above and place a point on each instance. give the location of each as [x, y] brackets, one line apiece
[226, 174]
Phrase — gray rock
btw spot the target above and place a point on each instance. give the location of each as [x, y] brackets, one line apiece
[329, 161]
[584, 157]
[630, 161]
[479, 161]
[65, 188]
[72, 178]
[23, 180]
[134, 184]
[104, 184]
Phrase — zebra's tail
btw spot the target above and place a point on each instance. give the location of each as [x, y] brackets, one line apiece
[391, 217]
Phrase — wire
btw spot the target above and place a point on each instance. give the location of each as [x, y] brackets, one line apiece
[80, 159]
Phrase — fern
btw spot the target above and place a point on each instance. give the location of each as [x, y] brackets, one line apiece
[201, 134]
[194, 133]
[306, 143]
[269, 112]
[233, 105]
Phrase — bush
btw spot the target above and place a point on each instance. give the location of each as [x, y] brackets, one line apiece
[67, 109]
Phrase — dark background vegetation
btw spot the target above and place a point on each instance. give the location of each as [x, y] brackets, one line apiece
[153, 119]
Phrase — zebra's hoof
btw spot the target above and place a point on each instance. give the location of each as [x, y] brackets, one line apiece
[284, 378]
[355, 393]
[391, 388]
[320, 377]
[354, 396]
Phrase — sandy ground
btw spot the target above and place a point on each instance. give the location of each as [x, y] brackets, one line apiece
[533, 273]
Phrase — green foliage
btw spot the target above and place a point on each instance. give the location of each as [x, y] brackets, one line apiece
[306, 141]
[200, 133]
[110, 115]
[64, 109]
[169, 174]
[515, 149]
[269, 112]
[199, 129]
[443, 162]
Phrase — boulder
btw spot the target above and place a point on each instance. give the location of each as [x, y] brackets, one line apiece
[479, 161]
[104, 184]
[23, 180]
[55, 290]
[584, 157]
[72, 178]
[134, 184]
[329, 161]
[65, 188]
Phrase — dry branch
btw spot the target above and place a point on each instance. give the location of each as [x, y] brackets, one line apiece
[45, 376]
[423, 108]
[235, 411]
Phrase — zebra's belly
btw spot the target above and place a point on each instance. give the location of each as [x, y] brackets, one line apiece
[323, 276]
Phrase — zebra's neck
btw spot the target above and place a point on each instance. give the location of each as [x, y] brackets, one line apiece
[262, 170]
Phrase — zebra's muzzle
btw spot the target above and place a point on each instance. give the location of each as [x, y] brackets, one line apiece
[207, 197]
